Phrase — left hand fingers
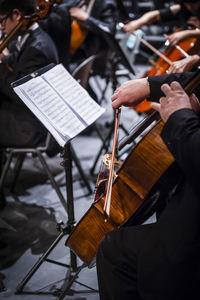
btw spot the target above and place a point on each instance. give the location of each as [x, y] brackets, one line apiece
[174, 86]
[165, 88]
[114, 96]
[155, 106]
[195, 103]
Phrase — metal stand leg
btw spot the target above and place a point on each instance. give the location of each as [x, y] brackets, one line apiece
[77, 163]
[67, 164]
[17, 168]
[2, 286]
[73, 270]
[19, 288]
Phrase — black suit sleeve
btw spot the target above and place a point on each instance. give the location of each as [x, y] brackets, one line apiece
[104, 13]
[181, 134]
[155, 83]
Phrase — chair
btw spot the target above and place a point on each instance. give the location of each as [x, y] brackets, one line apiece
[20, 154]
[82, 74]
[84, 70]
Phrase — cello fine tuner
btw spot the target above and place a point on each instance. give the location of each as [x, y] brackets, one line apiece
[107, 162]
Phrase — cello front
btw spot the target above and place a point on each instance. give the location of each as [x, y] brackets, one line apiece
[139, 173]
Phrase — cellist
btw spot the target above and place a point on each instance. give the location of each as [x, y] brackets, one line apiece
[103, 12]
[160, 261]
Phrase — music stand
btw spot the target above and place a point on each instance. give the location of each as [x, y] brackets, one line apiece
[64, 229]
[67, 154]
[117, 56]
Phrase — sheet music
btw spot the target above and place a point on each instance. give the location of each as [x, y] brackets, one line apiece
[59, 102]
[47, 101]
[76, 96]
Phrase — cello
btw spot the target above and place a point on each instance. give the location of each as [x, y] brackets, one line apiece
[137, 184]
[166, 58]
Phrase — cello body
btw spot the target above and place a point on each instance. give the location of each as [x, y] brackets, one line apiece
[135, 179]
[78, 35]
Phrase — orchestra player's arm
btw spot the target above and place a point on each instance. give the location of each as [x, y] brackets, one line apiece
[179, 36]
[132, 92]
[185, 64]
[150, 17]
[106, 17]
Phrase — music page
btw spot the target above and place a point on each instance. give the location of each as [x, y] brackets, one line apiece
[59, 102]
[45, 103]
[73, 94]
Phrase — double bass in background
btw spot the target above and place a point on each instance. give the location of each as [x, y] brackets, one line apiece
[78, 33]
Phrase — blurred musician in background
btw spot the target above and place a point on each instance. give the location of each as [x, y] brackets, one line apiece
[127, 10]
[185, 65]
[32, 49]
[104, 13]
[57, 24]
[185, 13]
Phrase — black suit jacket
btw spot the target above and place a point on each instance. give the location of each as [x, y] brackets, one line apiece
[103, 13]
[169, 263]
[155, 83]
[18, 126]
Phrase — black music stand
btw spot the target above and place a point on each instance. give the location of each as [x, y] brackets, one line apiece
[117, 56]
[64, 229]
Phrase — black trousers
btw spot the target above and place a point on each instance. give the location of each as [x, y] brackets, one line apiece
[2, 198]
[117, 259]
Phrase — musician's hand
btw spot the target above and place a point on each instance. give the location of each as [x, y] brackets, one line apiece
[146, 18]
[78, 14]
[131, 93]
[4, 53]
[132, 26]
[184, 65]
[175, 99]
[177, 37]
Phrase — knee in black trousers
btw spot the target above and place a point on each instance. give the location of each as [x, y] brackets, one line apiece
[117, 276]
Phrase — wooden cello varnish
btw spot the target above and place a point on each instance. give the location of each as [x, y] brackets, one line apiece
[141, 170]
